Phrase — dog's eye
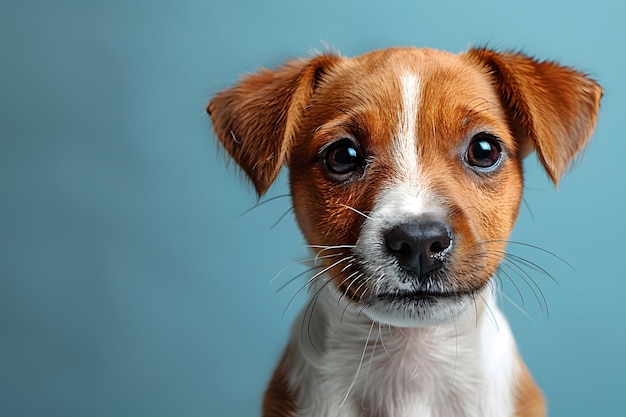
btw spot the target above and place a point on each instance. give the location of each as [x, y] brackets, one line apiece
[484, 151]
[343, 157]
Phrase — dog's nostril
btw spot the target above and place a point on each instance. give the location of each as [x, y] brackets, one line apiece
[419, 246]
[405, 249]
[440, 244]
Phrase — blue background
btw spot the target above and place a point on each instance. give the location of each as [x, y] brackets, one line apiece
[130, 284]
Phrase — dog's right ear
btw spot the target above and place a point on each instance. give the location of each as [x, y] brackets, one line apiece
[257, 119]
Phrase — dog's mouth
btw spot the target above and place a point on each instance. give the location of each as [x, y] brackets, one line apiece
[417, 296]
[417, 308]
[423, 300]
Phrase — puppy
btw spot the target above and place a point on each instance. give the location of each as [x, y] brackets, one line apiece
[406, 176]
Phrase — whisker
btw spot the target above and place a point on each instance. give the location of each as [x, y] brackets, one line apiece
[346, 280]
[234, 138]
[325, 248]
[466, 107]
[313, 302]
[532, 266]
[311, 280]
[519, 264]
[369, 366]
[512, 281]
[347, 266]
[490, 105]
[313, 268]
[483, 102]
[382, 342]
[490, 315]
[365, 281]
[281, 217]
[401, 331]
[355, 210]
[303, 261]
[415, 372]
[344, 294]
[261, 203]
[522, 274]
[497, 279]
[329, 247]
[475, 310]
[311, 308]
[499, 271]
[528, 245]
[356, 375]
[514, 304]
[456, 350]
[358, 315]
[528, 279]
[527, 206]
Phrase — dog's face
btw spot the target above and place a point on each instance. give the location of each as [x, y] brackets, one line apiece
[409, 170]
[405, 164]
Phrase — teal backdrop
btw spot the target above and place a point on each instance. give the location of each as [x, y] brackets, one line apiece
[130, 282]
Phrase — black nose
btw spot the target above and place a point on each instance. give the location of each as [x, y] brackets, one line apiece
[419, 245]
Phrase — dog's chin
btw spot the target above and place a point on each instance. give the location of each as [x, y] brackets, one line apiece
[416, 309]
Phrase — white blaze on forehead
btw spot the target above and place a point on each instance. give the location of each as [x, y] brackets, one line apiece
[407, 194]
[404, 141]
[404, 198]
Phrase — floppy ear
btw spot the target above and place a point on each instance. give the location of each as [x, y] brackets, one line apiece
[552, 109]
[257, 119]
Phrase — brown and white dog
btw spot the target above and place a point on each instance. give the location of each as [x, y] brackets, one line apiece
[406, 177]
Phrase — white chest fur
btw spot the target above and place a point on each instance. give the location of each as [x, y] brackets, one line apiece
[346, 365]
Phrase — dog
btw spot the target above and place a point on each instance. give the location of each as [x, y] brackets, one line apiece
[405, 169]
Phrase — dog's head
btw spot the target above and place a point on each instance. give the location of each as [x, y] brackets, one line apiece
[406, 164]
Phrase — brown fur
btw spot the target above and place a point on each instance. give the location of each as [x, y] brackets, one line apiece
[280, 400]
[257, 119]
[530, 401]
[552, 108]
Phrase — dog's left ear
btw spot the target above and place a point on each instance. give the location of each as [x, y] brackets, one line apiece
[551, 108]
[257, 119]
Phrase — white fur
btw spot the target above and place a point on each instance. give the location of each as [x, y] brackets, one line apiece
[404, 142]
[349, 366]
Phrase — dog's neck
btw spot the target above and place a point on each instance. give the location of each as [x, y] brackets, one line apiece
[345, 364]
